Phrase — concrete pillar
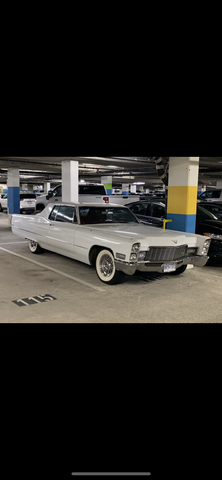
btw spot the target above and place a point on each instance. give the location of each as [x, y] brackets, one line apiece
[13, 191]
[125, 189]
[132, 188]
[107, 182]
[46, 187]
[26, 187]
[182, 193]
[70, 181]
[219, 184]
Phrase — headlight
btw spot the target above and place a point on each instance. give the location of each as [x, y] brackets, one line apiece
[214, 236]
[133, 257]
[141, 256]
[136, 247]
[205, 247]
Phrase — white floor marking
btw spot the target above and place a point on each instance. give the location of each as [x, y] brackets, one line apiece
[54, 270]
[12, 243]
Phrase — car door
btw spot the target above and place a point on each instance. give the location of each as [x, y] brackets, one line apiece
[156, 213]
[140, 210]
[62, 228]
[211, 195]
[57, 194]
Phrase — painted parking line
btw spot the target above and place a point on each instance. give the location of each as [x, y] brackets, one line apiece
[99, 289]
[12, 243]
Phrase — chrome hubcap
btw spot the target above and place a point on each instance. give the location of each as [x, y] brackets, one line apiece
[106, 266]
[33, 245]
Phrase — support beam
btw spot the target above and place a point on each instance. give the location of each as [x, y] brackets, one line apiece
[125, 189]
[70, 181]
[13, 191]
[182, 193]
[108, 184]
[46, 187]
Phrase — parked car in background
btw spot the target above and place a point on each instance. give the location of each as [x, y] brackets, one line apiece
[214, 195]
[110, 238]
[88, 192]
[213, 207]
[27, 202]
[207, 224]
[3, 202]
[149, 196]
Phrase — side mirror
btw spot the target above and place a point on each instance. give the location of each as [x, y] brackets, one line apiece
[49, 195]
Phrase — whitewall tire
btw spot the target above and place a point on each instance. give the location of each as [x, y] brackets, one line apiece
[34, 247]
[106, 270]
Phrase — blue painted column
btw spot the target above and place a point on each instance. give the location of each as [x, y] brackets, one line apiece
[13, 191]
[182, 193]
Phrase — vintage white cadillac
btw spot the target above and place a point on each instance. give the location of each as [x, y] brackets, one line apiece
[111, 238]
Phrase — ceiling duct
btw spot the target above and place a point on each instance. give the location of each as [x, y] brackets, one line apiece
[162, 167]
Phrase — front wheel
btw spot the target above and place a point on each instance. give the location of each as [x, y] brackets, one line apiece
[34, 247]
[1, 209]
[179, 270]
[106, 270]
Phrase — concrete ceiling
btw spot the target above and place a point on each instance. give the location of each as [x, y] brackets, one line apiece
[37, 170]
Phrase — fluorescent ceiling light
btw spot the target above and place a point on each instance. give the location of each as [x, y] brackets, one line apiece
[113, 166]
[138, 183]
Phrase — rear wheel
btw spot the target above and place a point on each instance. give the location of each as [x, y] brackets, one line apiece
[1, 209]
[34, 247]
[179, 270]
[106, 270]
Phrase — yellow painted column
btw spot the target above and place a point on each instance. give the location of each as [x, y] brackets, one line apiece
[182, 193]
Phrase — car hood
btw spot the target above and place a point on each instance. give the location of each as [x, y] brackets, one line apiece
[144, 234]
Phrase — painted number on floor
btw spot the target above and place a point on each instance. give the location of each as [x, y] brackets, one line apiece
[33, 300]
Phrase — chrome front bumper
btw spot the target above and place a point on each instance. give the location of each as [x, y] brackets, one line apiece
[130, 268]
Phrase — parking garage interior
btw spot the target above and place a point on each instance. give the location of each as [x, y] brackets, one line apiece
[63, 290]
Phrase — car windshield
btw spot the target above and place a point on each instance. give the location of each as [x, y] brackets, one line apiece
[27, 195]
[92, 189]
[203, 213]
[89, 215]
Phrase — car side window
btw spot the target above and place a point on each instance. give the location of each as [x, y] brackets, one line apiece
[210, 194]
[216, 210]
[139, 209]
[157, 211]
[202, 213]
[57, 192]
[217, 194]
[65, 214]
[53, 213]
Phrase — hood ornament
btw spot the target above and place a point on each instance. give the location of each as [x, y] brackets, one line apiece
[175, 241]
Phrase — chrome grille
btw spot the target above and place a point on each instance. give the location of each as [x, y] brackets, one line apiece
[159, 254]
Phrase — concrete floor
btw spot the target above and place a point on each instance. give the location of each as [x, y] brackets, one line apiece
[80, 297]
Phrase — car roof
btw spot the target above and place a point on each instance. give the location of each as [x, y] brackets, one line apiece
[211, 190]
[88, 204]
[204, 202]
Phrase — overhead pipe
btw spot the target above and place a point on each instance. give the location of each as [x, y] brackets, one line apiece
[162, 167]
